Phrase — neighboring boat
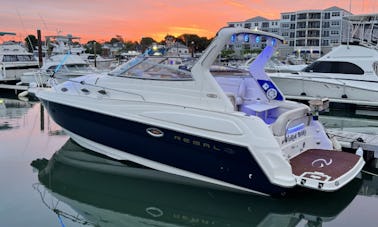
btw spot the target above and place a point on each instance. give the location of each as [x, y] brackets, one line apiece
[14, 61]
[295, 59]
[81, 186]
[63, 60]
[347, 74]
[275, 65]
[60, 67]
[224, 126]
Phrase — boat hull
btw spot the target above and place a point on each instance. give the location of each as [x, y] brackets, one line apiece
[337, 90]
[167, 150]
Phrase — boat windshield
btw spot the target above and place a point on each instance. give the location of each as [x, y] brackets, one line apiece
[70, 68]
[18, 58]
[153, 68]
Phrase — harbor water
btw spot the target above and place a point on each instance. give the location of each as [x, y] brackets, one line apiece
[48, 180]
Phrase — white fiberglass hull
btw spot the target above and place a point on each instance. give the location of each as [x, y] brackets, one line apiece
[295, 86]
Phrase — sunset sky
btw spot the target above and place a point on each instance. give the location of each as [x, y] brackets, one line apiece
[101, 20]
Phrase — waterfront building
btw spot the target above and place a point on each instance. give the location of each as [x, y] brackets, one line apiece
[310, 33]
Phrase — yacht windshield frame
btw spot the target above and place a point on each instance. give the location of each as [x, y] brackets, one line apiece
[162, 68]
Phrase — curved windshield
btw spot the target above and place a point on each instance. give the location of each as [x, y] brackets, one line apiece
[153, 68]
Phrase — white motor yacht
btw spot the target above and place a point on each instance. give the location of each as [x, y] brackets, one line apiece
[228, 127]
[60, 67]
[347, 74]
[15, 60]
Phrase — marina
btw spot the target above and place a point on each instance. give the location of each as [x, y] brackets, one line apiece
[49, 180]
[259, 122]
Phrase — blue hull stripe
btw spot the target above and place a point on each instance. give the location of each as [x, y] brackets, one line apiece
[221, 161]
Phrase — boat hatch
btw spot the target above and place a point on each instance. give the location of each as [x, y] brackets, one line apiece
[325, 170]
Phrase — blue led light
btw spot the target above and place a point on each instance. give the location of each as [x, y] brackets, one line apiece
[246, 38]
[257, 39]
[233, 37]
[296, 128]
[274, 42]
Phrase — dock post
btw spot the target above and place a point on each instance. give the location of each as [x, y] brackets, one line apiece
[40, 60]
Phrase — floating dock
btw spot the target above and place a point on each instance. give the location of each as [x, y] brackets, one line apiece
[354, 141]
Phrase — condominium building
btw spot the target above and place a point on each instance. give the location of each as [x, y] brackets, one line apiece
[310, 33]
[313, 32]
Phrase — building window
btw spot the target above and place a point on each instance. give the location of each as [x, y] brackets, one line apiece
[335, 23]
[327, 16]
[335, 14]
[326, 24]
[334, 32]
[325, 42]
[285, 17]
[334, 42]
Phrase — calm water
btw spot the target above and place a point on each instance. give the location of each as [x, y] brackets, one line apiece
[47, 180]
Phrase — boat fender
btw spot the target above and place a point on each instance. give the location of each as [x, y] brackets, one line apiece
[23, 94]
[360, 152]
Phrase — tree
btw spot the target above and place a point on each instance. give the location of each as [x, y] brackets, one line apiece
[93, 46]
[200, 43]
[129, 45]
[31, 43]
[146, 42]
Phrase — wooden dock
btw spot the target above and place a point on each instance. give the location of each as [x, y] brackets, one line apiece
[353, 141]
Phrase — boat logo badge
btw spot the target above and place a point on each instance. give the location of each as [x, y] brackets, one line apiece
[320, 162]
[271, 93]
[155, 132]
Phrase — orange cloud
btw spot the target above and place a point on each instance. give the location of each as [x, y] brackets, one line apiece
[101, 20]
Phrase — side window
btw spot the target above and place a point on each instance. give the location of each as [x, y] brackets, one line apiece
[318, 67]
[348, 68]
[334, 67]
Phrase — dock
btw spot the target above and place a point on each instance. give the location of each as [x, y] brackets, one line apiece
[14, 87]
[354, 141]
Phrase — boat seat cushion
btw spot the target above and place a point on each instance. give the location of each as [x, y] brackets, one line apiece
[279, 127]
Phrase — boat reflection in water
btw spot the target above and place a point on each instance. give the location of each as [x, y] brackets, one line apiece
[11, 111]
[105, 192]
